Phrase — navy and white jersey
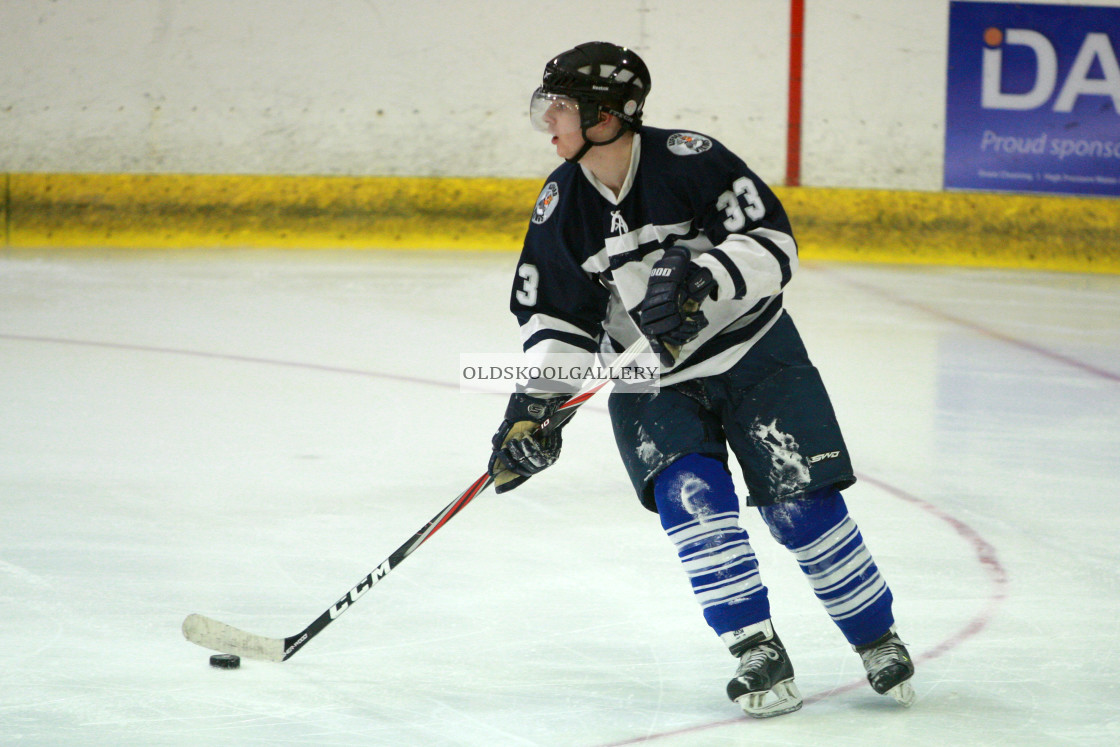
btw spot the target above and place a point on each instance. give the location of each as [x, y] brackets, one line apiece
[587, 255]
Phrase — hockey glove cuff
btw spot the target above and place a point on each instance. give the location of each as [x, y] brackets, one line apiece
[519, 451]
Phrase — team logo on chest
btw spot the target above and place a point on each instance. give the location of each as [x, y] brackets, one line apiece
[688, 143]
[618, 225]
[546, 203]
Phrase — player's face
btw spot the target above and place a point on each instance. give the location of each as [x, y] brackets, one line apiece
[554, 114]
[562, 117]
[559, 117]
[568, 144]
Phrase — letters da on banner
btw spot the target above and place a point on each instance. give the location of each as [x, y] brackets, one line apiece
[1033, 100]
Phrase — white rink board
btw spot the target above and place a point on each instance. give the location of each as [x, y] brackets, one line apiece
[436, 88]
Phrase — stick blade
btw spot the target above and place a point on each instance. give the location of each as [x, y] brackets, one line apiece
[218, 636]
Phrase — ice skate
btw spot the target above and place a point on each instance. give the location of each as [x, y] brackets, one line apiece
[889, 667]
[763, 684]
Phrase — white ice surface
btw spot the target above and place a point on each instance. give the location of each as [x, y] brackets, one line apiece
[247, 434]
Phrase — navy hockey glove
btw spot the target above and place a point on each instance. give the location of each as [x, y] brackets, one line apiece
[670, 314]
[518, 452]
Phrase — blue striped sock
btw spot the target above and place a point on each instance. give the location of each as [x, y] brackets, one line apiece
[830, 550]
[699, 510]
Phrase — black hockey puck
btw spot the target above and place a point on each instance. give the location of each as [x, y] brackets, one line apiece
[225, 661]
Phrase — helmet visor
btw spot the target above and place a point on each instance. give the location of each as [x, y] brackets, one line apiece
[550, 112]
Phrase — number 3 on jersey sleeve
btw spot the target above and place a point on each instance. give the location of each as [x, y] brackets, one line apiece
[740, 202]
[527, 295]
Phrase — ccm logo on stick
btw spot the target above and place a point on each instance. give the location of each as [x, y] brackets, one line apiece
[367, 583]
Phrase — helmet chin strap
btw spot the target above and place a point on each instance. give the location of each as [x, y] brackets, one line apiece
[589, 144]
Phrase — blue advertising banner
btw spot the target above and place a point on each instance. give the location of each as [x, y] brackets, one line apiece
[1033, 100]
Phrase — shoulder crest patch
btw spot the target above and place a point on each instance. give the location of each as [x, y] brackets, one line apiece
[688, 143]
[546, 202]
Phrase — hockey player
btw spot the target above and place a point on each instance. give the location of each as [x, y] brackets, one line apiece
[667, 234]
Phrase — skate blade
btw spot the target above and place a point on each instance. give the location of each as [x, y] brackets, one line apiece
[783, 698]
[903, 693]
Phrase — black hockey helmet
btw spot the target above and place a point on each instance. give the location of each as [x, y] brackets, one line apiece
[599, 77]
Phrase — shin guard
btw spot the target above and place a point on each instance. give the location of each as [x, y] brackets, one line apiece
[699, 510]
[830, 550]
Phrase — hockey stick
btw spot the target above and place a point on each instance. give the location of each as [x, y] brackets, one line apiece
[219, 636]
